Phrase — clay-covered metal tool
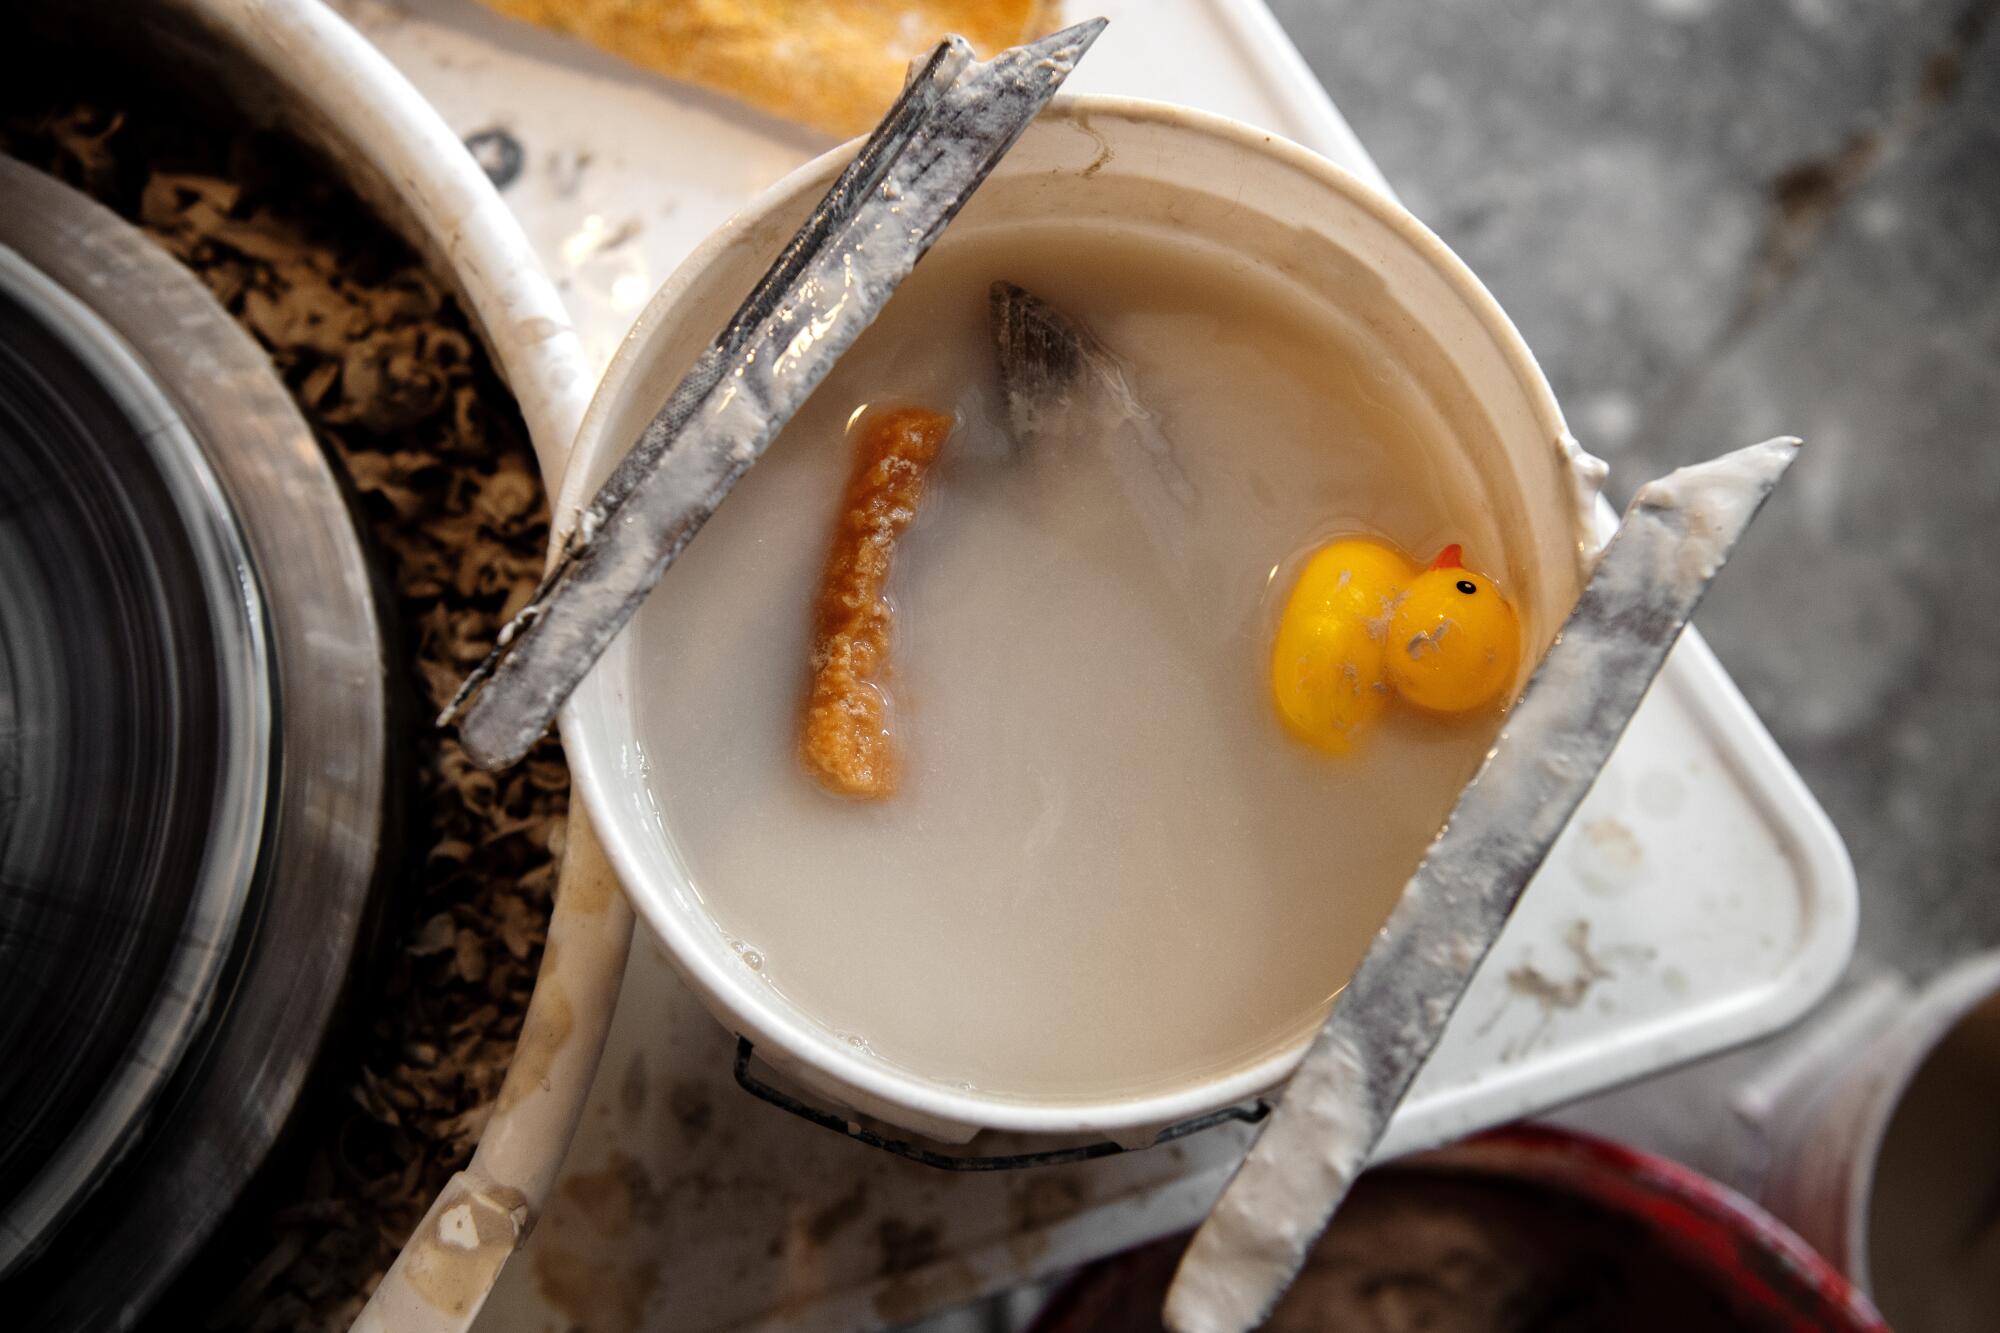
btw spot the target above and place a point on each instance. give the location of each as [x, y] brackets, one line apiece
[1055, 375]
[1040, 353]
[1675, 536]
[951, 126]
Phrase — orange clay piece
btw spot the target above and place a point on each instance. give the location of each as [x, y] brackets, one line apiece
[845, 742]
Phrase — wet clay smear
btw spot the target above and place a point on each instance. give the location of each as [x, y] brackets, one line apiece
[385, 368]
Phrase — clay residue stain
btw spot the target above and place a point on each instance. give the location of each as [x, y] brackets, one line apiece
[601, 1199]
[1104, 154]
[632, 1088]
[1035, 1204]
[1808, 191]
[829, 1221]
[612, 1199]
[1570, 992]
[539, 328]
[454, 1259]
[401, 397]
[692, 1108]
[1617, 842]
[589, 884]
[549, 1023]
[595, 1294]
[915, 1294]
[1807, 195]
[846, 741]
[1661, 793]
[906, 1246]
[1608, 856]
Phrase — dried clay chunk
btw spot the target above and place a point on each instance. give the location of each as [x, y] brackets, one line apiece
[845, 742]
[834, 64]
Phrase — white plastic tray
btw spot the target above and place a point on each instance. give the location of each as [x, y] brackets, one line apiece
[1701, 898]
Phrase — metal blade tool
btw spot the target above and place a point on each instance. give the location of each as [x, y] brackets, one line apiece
[955, 120]
[1674, 537]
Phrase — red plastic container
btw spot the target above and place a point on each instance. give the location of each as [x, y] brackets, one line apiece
[1770, 1279]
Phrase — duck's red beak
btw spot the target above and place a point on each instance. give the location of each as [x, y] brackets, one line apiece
[1451, 557]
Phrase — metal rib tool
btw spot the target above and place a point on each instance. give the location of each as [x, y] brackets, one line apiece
[953, 123]
[1676, 535]
[1040, 353]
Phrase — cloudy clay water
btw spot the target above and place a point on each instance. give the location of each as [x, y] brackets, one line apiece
[1108, 869]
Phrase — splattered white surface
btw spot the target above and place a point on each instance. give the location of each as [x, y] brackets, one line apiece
[1700, 899]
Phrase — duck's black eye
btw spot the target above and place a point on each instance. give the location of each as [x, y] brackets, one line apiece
[1468, 587]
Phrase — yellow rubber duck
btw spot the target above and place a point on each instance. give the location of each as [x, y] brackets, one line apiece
[1364, 625]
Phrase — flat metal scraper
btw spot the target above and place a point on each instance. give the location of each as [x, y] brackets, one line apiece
[953, 123]
[1675, 536]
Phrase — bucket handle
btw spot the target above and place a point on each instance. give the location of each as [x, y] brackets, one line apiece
[851, 1129]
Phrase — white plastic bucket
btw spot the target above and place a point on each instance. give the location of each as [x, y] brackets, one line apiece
[1128, 165]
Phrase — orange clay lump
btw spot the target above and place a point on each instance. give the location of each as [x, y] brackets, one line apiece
[845, 741]
[1364, 625]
